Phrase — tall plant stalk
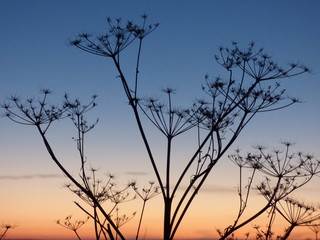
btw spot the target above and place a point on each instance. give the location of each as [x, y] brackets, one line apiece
[227, 106]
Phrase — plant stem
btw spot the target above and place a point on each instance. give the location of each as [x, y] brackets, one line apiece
[140, 220]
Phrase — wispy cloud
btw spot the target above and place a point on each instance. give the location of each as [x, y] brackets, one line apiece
[216, 188]
[211, 188]
[137, 173]
[31, 176]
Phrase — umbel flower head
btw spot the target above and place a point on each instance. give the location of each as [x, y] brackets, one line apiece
[256, 64]
[72, 225]
[33, 111]
[284, 171]
[102, 191]
[147, 193]
[118, 37]
[6, 227]
[297, 212]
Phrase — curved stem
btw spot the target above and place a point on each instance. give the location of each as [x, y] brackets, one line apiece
[268, 205]
[133, 104]
[75, 182]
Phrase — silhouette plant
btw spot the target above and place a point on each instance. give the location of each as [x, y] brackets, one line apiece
[283, 171]
[41, 115]
[122, 219]
[6, 228]
[315, 228]
[102, 191]
[145, 194]
[250, 87]
[297, 214]
[72, 225]
[295, 176]
[231, 103]
[263, 235]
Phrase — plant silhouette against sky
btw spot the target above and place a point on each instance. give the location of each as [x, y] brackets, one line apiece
[6, 228]
[72, 225]
[251, 86]
[283, 172]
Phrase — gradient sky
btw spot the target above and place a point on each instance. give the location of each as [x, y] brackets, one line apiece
[34, 54]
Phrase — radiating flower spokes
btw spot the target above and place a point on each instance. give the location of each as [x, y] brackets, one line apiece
[284, 172]
[147, 193]
[77, 113]
[242, 161]
[298, 213]
[169, 120]
[32, 111]
[102, 191]
[256, 64]
[122, 219]
[282, 163]
[6, 227]
[240, 99]
[248, 94]
[72, 225]
[40, 113]
[275, 190]
[118, 37]
[229, 94]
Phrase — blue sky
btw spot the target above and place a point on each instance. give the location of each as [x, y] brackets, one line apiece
[35, 54]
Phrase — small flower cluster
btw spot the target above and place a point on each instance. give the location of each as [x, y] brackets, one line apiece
[169, 120]
[118, 37]
[6, 227]
[147, 193]
[102, 191]
[293, 170]
[257, 65]
[32, 111]
[72, 225]
[298, 213]
[121, 220]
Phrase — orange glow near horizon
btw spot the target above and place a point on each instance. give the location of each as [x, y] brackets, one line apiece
[37, 205]
[43, 233]
[200, 223]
